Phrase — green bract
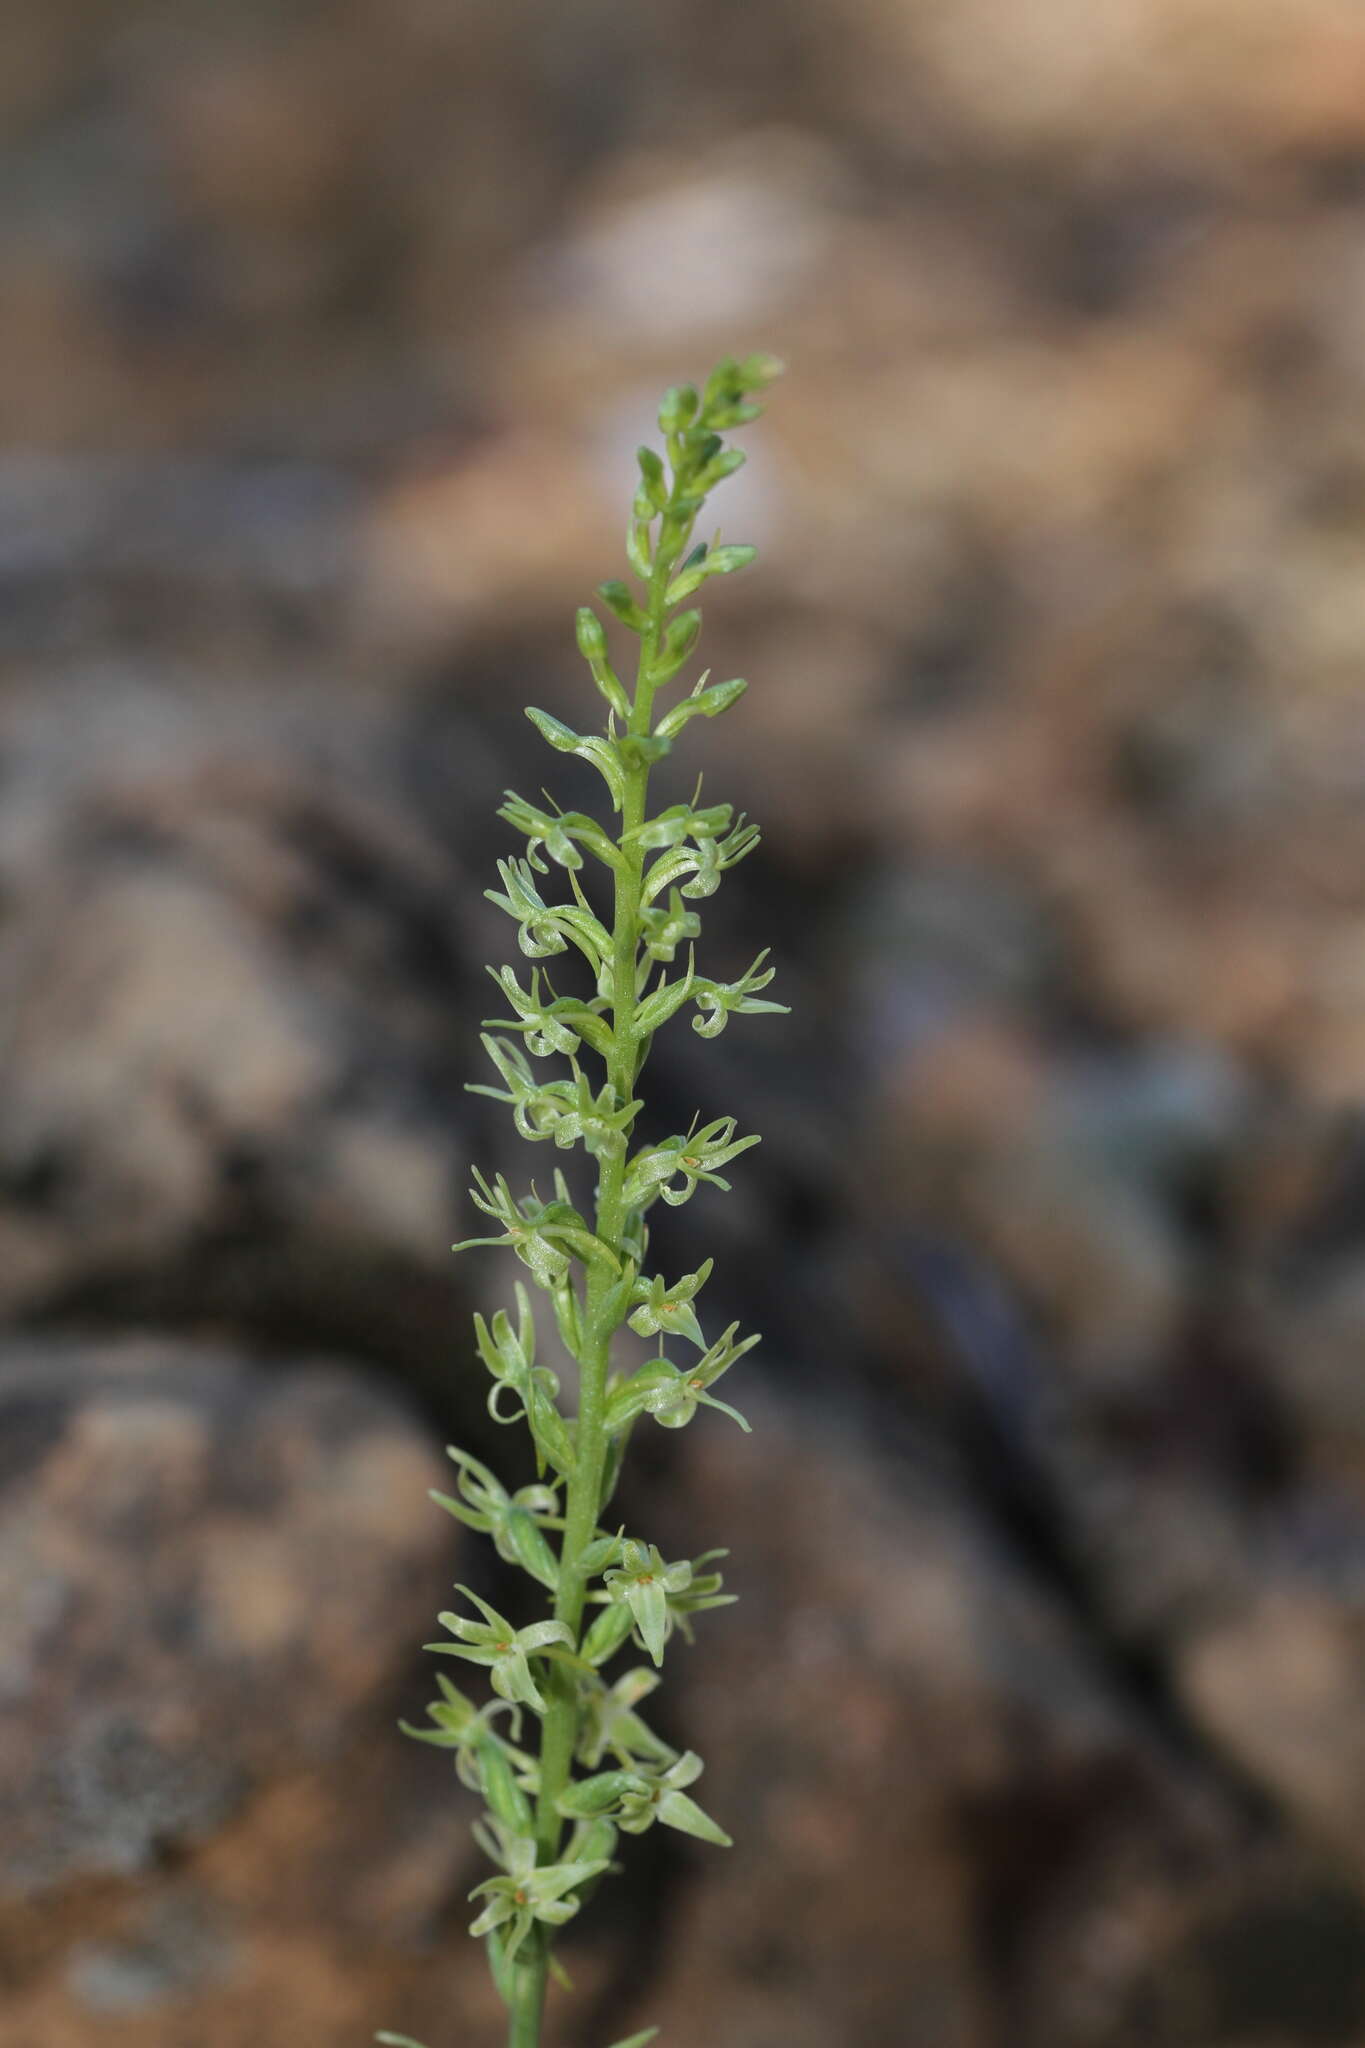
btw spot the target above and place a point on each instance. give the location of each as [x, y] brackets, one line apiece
[553, 1810]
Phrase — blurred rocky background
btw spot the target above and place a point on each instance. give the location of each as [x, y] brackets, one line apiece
[327, 333]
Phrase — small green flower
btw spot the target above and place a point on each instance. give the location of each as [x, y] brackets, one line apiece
[524, 1894]
[516, 1521]
[635, 1799]
[610, 1722]
[680, 823]
[703, 862]
[510, 1358]
[557, 1025]
[671, 1394]
[719, 1000]
[467, 1730]
[545, 1236]
[689, 1159]
[561, 833]
[545, 928]
[664, 930]
[566, 1111]
[504, 1650]
[701, 1593]
[667, 1311]
[642, 1583]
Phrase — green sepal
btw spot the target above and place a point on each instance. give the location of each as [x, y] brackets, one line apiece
[719, 467]
[667, 1311]
[725, 561]
[527, 1893]
[641, 1584]
[542, 1234]
[511, 1520]
[676, 1810]
[707, 703]
[680, 637]
[652, 477]
[401, 2041]
[568, 1314]
[588, 746]
[715, 562]
[636, 1799]
[672, 1397]
[737, 415]
[500, 1967]
[648, 1603]
[608, 1721]
[556, 1026]
[757, 371]
[691, 1157]
[616, 1301]
[597, 1555]
[679, 823]
[500, 1649]
[611, 1466]
[703, 863]
[667, 998]
[565, 1111]
[589, 1798]
[552, 1436]
[610, 1627]
[718, 1000]
[546, 928]
[636, 2040]
[637, 538]
[592, 1841]
[560, 736]
[678, 408]
[592, 645]
[641, 749]
[524, 1544]
[506, 1800]
[560, 833]
[664, 930]
[618, 599]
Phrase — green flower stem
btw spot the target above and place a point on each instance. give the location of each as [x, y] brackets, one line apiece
[559, 1731]
[528, 1994]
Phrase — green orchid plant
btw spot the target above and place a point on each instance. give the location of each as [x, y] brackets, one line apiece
[555, 1808]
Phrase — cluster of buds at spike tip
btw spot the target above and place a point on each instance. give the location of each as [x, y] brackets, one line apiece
[555, 1806]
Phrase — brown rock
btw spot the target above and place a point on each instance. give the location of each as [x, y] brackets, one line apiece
[208, 1573]
[225, 1005]
[1277, 1683]
[929, 1779]
[214, 1577]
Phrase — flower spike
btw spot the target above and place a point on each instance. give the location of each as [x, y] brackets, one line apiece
[560, 1756]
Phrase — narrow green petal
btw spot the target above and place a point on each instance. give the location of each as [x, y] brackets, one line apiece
[676, 1810]
[649, 1605]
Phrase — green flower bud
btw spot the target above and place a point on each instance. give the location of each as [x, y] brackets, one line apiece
[652, 477]
[615, 595]
[592, 634]
[680, 637]
[758, 371]
[506, 1800]
[609, 1630]
[678, 408]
